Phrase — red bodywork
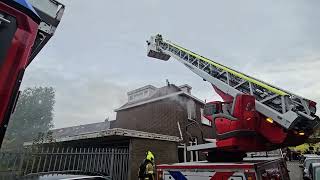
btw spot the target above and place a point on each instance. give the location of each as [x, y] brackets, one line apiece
[15, 62]
[245, 129]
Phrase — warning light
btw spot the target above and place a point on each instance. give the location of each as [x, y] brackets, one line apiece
[301, 133]
[269, 119]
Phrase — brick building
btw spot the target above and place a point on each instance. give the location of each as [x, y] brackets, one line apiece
[98, 136]
[164, 120]
[170, 110]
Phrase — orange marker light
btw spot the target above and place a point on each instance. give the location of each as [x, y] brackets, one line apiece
[301, 133]
[269, 119]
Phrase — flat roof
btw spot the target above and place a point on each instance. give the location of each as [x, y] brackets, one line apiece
[116, 132]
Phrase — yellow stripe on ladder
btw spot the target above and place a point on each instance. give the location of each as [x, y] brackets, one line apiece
[254, 81]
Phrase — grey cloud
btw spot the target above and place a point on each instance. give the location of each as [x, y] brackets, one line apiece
[79, 100]
[99, 50]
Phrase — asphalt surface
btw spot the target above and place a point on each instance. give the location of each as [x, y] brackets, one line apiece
[295, 171]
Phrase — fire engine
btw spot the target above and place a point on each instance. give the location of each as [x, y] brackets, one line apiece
[254, 115]
[251, 169]
[25, 28]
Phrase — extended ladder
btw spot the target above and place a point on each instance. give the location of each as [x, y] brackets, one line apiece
[287, 109]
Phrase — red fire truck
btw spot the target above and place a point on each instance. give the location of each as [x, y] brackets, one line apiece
[25, 29]
[248, 169]
[254, 116]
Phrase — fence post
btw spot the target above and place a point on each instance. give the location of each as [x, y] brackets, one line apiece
[51, 156]
[65, 159]
[111, 163]
[15, 162]
[87, 159]
[70, 159]
[74, 160]
[39, 163]
[34, 156]
[21, 163]
[45, 160]
[61, 156]
[56, 158]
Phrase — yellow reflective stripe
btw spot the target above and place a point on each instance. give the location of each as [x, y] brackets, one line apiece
[270, 88]
[150, 172]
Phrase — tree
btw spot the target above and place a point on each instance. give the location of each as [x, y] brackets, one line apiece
[33, 116]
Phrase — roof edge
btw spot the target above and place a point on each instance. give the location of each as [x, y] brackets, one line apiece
[160, 98]
[116, 132]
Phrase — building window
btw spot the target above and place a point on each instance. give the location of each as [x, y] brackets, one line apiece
[204, 120]
[191, 109]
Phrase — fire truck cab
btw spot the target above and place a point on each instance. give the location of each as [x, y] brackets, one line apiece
[262, 168]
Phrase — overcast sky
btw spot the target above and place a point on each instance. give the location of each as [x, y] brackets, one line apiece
[98, 52]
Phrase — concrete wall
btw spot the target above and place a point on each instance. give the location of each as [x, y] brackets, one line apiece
[164, 151]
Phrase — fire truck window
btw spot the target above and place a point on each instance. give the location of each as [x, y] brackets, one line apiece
[210, 109]
[236, 178]
[8, 28]
[317, 172]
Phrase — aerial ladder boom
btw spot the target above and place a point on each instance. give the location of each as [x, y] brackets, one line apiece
[285, 108]
[290, 115]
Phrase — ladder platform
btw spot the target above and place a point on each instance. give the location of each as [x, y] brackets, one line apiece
[205, 146]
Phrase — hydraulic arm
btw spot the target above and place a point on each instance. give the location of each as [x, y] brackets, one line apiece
[256, 115]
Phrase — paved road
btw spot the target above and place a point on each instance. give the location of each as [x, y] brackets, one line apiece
[295, 171]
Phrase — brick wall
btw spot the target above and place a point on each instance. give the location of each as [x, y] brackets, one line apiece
[158, 117]
[161, 117]
[164, 151]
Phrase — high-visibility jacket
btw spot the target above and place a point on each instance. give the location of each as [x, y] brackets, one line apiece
[148, 173]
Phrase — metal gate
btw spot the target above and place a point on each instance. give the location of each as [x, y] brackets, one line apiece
[111, 162]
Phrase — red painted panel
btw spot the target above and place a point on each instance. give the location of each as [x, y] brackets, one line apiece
[221, 175]
[223, 125]
[16, 57]
[272, 131]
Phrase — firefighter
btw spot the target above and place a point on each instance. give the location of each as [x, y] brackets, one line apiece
[146, 169]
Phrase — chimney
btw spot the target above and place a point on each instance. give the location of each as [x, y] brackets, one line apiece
[186, 88]
[141, 93]
[168, 83]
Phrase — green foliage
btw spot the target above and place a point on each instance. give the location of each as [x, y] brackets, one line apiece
[33, 116]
